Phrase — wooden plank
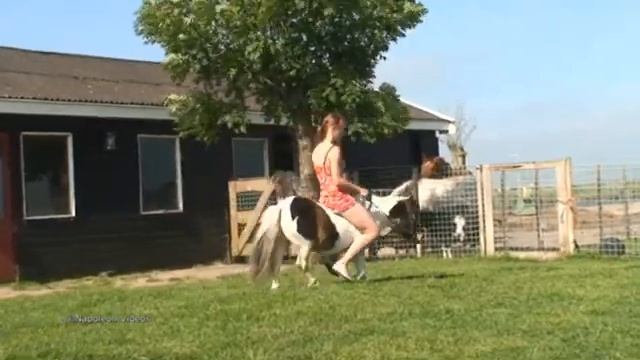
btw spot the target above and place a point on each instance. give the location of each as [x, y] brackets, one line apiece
[251, 185]
[480, 203]
[563, 209]
[526, 165]
[571, 215]
[246, 251]
[253, 221]
[233, 218]
[487, 186]
[243, 217]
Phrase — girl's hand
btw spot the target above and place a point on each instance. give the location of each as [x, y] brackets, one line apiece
[364, 192]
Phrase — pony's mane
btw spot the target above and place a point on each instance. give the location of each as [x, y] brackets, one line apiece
[286, 184]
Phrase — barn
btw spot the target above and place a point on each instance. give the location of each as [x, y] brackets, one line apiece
[94, 178]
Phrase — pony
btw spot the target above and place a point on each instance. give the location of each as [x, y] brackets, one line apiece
[434, 167]
[316, 229]
[441, 191]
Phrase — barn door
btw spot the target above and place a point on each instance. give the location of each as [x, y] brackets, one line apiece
[527, 208]
[7, 254]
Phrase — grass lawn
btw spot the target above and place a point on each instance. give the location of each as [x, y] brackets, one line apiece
[410, 309]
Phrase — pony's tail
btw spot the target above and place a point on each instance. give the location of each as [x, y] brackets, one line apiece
[269, 245]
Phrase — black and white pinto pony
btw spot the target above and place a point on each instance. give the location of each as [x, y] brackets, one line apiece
[316, 229]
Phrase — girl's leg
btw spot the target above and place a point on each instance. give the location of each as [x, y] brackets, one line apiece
[361, 219]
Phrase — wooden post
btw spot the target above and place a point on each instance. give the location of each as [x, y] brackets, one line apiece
[233, 218]
[487, 194]
[571, 215]
[564, 186]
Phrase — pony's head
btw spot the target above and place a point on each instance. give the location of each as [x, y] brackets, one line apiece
[434, 167]
[399, 212]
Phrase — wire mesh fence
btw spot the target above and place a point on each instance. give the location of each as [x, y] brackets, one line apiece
[525, 210]
[607, 209]
[447, 227]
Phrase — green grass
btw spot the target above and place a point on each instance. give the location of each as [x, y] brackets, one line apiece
[583, 308]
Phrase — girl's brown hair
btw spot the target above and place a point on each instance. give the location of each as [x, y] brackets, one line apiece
[332, 119]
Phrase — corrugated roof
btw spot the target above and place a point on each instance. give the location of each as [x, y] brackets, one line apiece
[50, 76]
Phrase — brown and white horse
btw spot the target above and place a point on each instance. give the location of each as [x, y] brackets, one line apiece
[440, 190]
[314, 228]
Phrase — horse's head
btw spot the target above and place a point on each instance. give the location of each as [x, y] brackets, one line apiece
[400, 212]
[434, 167]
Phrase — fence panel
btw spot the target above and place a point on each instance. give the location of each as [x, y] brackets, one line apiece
[607, 202]
[450, 228]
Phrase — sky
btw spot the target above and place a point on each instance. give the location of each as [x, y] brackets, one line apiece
[540, 79]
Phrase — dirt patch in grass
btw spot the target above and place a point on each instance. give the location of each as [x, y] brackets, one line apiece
[146, 279]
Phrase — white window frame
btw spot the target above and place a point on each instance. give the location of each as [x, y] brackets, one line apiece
[178, 156]
[265, 152]
[70, 170]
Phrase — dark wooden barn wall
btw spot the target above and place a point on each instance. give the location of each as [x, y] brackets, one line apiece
[401, 150]
[108, 232]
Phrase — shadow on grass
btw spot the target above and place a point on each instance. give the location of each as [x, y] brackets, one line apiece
[434, 276]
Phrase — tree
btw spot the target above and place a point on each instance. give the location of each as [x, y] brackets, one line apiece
[457, 141]
[296, 59]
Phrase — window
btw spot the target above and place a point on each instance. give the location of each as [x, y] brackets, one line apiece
[47, 175]
[160, 174]
[250, 158]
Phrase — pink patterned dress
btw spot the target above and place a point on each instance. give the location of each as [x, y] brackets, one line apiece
[330, 194]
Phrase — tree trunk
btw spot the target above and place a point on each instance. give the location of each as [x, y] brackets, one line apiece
[308, 182]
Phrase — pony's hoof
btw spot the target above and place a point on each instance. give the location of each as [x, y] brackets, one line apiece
[313, 283]
[362, 277]
[275, 285]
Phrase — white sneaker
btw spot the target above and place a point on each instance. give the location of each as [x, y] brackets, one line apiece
[342, 270]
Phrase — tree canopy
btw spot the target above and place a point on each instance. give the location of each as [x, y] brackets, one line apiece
[294, 59]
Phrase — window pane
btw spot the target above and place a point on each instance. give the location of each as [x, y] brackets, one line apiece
[159, 174]
[46, 175]
[248, 158]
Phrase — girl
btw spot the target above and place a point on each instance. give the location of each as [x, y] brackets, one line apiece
[336, 192]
